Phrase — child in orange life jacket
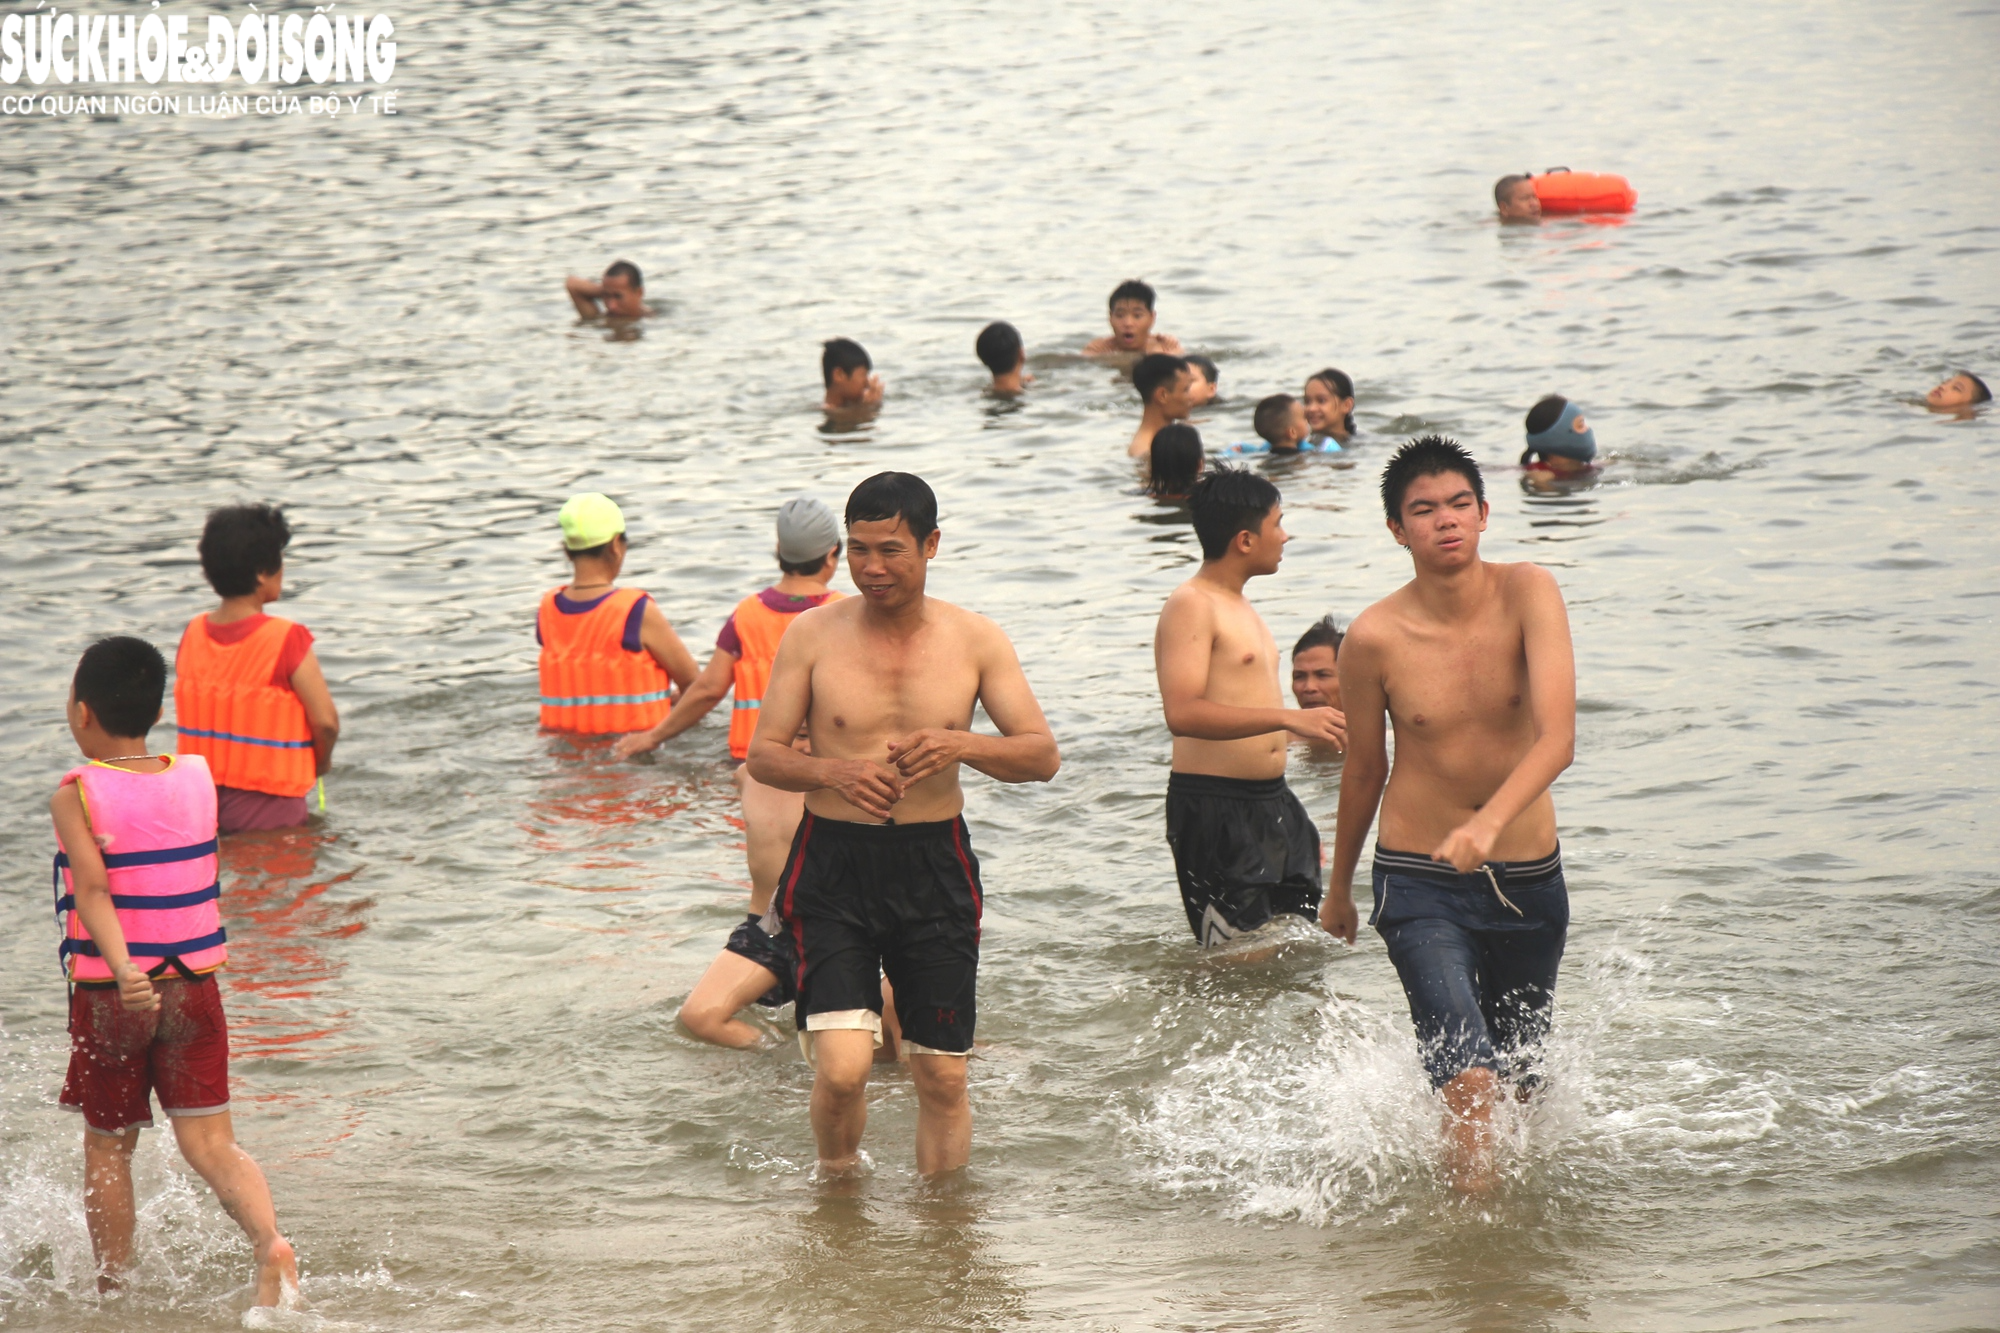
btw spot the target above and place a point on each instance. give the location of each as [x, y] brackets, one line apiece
[609, 658]
[249, 696]
[756, 966]
[142, 940]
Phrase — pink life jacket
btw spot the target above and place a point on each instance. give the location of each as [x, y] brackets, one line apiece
[156, 832]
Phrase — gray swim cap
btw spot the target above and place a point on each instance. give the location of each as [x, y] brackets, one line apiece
[807, 530]
[1564, 440]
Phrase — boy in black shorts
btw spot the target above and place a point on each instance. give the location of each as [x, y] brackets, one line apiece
[1245, 851]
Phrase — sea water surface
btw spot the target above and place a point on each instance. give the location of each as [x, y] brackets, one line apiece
[453, 996]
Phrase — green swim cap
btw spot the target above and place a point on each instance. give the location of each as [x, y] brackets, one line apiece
[590, 520]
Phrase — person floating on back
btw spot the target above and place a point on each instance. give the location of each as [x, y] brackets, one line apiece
[619, 295]
[1560, 442]
[1471, 663]
[1162, 382]
[1177, 460]
[1132, 326]
[1207, 381]
[1000, 350]
[249, 696]
[1316, 666]
[853, 390]
[142, 939]
[756, 966]
[1329, 400]
[1280, 423]
[1516, 200]
[1960, 394]
[1245, 851]
[609, 659]
[882, 877]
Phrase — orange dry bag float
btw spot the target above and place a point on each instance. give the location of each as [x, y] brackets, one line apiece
[1564, 191]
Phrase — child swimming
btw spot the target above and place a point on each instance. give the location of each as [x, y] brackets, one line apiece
[1329, 400]
[1560, 442]
[1280, 422]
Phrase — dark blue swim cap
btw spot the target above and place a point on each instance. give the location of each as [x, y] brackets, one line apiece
[1564, 440]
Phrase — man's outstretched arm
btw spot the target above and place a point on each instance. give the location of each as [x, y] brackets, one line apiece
[1552, 699]
[1361, 778]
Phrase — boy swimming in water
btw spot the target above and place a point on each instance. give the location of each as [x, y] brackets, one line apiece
[1560, 442]
[1515, 198]
[1316, 665]
[249, 696]
[1245, 851]
[1162, 382]
[1176, 462]
[1000, 351]
[852, 389]
[1280, 421]
[1471, 663]
[142, 940]
[1132, 326]
[1206, 383]
[1962, 391]
[619, 295]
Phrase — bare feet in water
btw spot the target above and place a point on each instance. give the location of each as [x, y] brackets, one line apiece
[277, 1274]
[1469, 1101]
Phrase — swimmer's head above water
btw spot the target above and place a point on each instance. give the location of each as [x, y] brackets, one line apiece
[1202, 389]
[1131, 315]
[1559, 439]
[1329, 401]
[1516, 199]
[845, 366]
[1177, 458]
[1000, 350]
[1280, 421]
[1962, 390]
[1165, 384]
[1315, 665]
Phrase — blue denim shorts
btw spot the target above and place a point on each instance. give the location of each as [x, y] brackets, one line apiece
[1477, 955]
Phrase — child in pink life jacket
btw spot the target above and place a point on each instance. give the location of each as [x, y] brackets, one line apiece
[136, 891]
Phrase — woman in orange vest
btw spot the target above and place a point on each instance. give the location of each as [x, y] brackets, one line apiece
[249, 696]
[756, 965]
[609, 658]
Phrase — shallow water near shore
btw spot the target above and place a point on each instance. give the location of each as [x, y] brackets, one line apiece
[452, 999]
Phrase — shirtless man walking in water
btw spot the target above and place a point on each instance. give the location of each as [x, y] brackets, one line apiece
[1245, 851]
[881, 876]
[1471, 661]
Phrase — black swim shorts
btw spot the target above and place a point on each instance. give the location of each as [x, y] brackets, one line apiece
[773, 953]
[1245, 851]
[864, 900]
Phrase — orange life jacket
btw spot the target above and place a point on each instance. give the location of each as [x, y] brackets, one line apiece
[254, 734]
[1565, 191]
[758, 629]
[590, 684]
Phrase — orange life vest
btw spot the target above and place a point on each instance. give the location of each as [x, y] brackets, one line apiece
[1565, 191]
[758, 629]
[254, 734]
[590, 684]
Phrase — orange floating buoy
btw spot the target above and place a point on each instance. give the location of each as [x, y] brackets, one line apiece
[1564, 191]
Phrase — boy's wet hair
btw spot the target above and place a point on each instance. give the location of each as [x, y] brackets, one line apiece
[1501, 189]
[1206, 367]
[1322, 633]
[123, 679]
[1155, 371]
[1339, 386]
[1980, 393]
[1225, 502]
[999, 347]
[1427, 456]
[1176, 460]
[893, 495]
[1545, 413]
[809, 566]
[1131, 290]
[629, 271]
[241, 542]
[842, 354]
[1272, 417]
